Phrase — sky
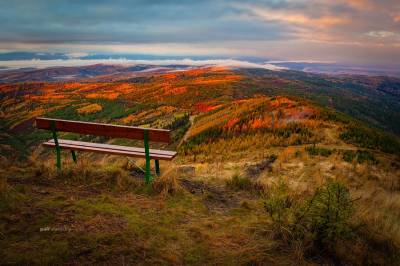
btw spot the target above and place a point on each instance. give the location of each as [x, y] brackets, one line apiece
[361, 32]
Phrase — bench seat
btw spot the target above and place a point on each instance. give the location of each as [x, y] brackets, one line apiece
[111, 149]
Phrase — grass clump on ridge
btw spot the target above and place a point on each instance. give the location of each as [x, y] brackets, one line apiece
[237, 182]
[313, 150]
[360, 156]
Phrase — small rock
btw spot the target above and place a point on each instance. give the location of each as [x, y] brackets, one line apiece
[256, 169]
[193, 186]
[43, 192]
[187, 170]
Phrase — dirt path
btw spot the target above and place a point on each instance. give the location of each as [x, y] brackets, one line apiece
[191, 120]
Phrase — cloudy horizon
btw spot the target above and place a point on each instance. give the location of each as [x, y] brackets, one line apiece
[358, 32]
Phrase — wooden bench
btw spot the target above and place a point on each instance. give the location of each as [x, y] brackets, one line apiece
[114, 131]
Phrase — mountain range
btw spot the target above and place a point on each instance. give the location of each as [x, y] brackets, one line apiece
[10, 60]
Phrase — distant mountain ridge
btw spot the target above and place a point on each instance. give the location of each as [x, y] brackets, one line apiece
[334, 68]
[32, 56]
[82, 72]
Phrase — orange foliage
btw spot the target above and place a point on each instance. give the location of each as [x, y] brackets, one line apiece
[282, 101]
[224, 75]
[253, 114]
[216, 80]
[311, 123]
[204, 70]
[256, 123]
[45, 98]
[72, 86]
[130, 118]
[171, 76]
[177, 90]
[195, 72]
[108, 95]
[6, 88]
[162, 110]
[158, 88]
[91, 108]
[123, 88]
[88, 87]
[231, 123]
[203, 107]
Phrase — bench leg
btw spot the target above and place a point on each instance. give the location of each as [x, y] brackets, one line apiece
[57, 146]
[147, 152]
[73, 155]
[58, 152]
[157, 163]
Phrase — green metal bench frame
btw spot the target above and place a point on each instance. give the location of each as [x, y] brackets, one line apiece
[52, 126]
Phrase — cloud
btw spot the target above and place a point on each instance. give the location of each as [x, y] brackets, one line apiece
[77, 54]
[278, 28]
[293, 17]
[300, 61]
[78, 62]
[382, 34]
[339, 22]
[361, 4]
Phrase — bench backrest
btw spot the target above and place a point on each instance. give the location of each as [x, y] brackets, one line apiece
[98, 129]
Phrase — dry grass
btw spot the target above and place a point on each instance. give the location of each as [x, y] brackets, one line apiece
[97, 214]
[167, 183]
[164, 223]
[373, 186]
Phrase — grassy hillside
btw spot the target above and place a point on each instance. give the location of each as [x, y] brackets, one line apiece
[264, 175]
[374, 100]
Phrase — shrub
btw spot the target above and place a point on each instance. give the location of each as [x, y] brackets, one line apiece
[316, 225]
[239, 183]
[348, 156]
[362, 156]
[325, 218]
[312, 150]
[9, 196]
[278, 203]
[179, 121]
[303, 132]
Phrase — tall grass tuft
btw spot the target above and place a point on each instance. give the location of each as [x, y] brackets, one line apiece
[237, 182]
[167, 184]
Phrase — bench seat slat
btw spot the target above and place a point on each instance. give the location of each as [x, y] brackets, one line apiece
[114, 147]
[111, 149]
